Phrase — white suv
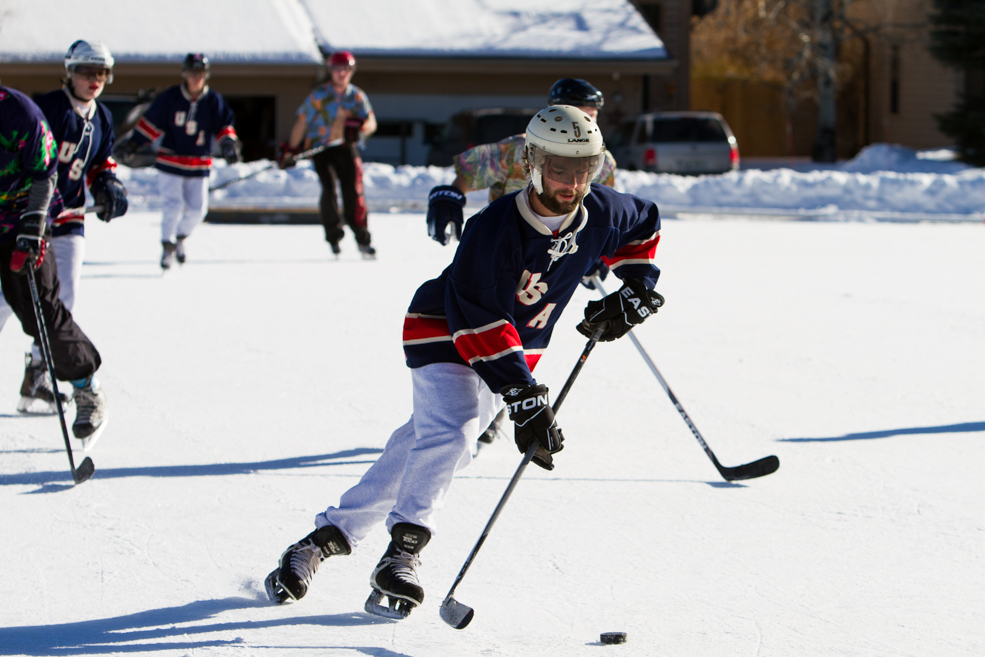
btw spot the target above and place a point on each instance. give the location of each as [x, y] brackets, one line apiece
[675, 142]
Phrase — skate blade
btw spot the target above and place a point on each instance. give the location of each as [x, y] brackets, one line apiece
[275, 591]
[90, 441]
[34, 406]
[396, 608]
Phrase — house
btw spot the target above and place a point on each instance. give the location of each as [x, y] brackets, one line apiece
[419, 61]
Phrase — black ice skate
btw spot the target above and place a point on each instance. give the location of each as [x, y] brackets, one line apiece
[396, 574]
[336, 249]
[299, 563]
[167, 257]
[90, 413]
[367, 251]
[37, 395]
[179, 249]
[489, 435]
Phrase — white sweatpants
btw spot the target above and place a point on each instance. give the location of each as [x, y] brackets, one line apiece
[410, 480]
[69, 253]
[186, 201]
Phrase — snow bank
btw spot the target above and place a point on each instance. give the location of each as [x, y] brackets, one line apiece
[883, 178]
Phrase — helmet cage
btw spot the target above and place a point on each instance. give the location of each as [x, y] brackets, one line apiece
[94, 54]
[560, 168]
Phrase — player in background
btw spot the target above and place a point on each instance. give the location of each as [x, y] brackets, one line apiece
[28, 180]
[473, 335]
[186, 118]
[499, 167]
[337, 114]
[83, 131]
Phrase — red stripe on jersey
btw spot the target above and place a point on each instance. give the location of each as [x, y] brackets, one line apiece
[419, 329]
[148, 129]
[489, 342]
[227, 131]
[188, 162]
[638, 252]
[532, 359]
[108, 165]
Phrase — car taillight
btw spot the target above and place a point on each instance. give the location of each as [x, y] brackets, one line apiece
[650, 158]
[733, 156]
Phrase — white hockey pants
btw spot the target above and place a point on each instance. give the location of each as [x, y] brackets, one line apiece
[410, 480]
[186, 202]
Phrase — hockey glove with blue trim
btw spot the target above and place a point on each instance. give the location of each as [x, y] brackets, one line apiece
[533, 420]
[620, 311]
[445, 203]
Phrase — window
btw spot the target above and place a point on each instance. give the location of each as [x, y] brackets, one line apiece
[894, 76]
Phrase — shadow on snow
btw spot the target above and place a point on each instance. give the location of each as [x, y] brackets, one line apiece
[966, 427]
[170, 628]
[206, 470]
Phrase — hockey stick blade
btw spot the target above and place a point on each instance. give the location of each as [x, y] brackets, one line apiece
[85, 470]
[760, 468]
[455, 613]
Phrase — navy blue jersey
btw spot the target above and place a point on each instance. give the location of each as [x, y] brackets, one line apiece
[85, 142]
[186, 128]
[495, 306]
[27, 153]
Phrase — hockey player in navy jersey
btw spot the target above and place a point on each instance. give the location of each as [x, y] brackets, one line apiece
[473, 336]
[83, 131]
[28, 179]
[186, 118]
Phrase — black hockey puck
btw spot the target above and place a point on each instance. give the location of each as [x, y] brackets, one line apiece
[612, 638]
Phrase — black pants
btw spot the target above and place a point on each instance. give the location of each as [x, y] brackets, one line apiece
[343, 165]
[72, 354]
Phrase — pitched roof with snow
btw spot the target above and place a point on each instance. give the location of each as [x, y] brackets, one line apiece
[255, 31]
[291, 31]
[572, 29]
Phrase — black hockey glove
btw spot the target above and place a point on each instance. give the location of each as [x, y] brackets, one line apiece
[29, 248]
[109, 192]
[286, 155]
[445, 203]
[533, 420]
[599, 269]
[230, 150]
[126, 151]
[620, 311]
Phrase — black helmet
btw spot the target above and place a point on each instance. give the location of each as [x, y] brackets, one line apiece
[195, 61]
[572, 91]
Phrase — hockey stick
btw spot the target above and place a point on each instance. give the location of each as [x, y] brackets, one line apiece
[86, 468]
[304, 155]
[760, 468]
[452, 611]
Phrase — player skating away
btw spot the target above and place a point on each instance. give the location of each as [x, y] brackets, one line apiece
[83, 131]
[186, 118]
[337, 115]
[499, 167]
[28, 179]
[476, 332]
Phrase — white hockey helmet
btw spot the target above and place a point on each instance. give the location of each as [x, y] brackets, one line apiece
[89, 53]
[564, 144]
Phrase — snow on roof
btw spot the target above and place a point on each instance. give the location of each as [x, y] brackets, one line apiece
[569, 29]
[257, 31]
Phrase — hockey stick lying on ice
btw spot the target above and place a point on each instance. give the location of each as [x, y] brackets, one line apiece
[303, 155]
[86, 468]
[760, 468]
[452, 611]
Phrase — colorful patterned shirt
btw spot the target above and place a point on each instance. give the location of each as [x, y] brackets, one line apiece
[499, 167]
[27, 153]
[322, 105]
